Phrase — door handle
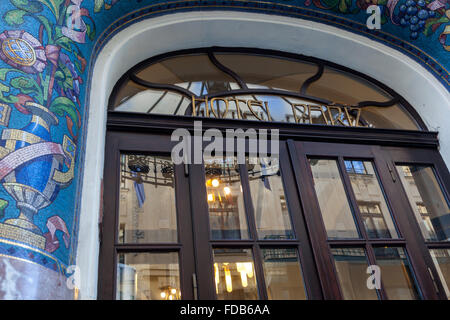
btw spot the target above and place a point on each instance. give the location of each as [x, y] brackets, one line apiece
[391, 172]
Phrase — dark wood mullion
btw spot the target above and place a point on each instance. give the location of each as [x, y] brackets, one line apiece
[305, 252]
[248, 243]
[185, 235]
[259, 272]
[148, 246]
[248, 203]
[250, 214]
[373, 261]
[352, 198]
[312, 214]
[348, 136]
[361, 242]
[438, 245]
[416, 249]
[107, 261]
[201, 233]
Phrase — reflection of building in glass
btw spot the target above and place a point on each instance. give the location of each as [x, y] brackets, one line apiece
[426, 218]
[373, 220]
[147, 210]
[372, 205]
[427, 201]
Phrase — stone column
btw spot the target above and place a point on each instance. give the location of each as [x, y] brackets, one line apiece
[43, 45]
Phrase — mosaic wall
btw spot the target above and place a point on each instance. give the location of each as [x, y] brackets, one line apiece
[46, 50]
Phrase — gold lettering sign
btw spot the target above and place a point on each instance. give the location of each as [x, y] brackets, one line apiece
[334, 115]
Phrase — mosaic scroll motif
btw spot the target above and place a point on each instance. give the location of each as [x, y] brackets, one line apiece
[420, 18]
[40, 79]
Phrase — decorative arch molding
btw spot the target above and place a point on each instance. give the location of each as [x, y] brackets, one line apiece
[430, 51]
[100, 40]
[202, 29]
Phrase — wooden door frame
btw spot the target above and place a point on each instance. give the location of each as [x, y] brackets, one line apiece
[117, 144]
[301, 243]
[417, 156]
[123, 123]
[402, 215]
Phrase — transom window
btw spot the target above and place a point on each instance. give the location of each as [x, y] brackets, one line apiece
[262, 86]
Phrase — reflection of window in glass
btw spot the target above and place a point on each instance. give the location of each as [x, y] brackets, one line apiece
[370, 198]
[234, 274]
[396, 273]
[406, 171]
[269, 203]
[227, 216]
[336, 213]
[373, 220]
[426, 219]
[355, 167]
[441, 259]
[282, 273]
[351, 267]
[148, 276]
[147, 211]
[430, 206]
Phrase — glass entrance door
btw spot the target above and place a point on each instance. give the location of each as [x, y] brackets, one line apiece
[251, 238]
[219, 230]
[424, 181]
[147, 249]
[356, 202]
[326, 221]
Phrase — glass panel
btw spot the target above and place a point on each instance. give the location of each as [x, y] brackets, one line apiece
[195, 71]
[234, 274]
[336, 213]
[441, 259]
[147, 211]
[370, 198]
[351, 267]
[341, 87]
[348, 89]
[269, 200]
[156, 102]
[396, 273]
[393, 117]
[283, 275]
[148, 276]
[127, 91]
[227, 216]
[427, 200]
[268, 72]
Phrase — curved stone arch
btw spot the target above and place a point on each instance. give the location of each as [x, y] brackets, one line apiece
[430, 54]
[202, 29]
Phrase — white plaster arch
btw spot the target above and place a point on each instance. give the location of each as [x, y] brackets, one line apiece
[221, 28]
